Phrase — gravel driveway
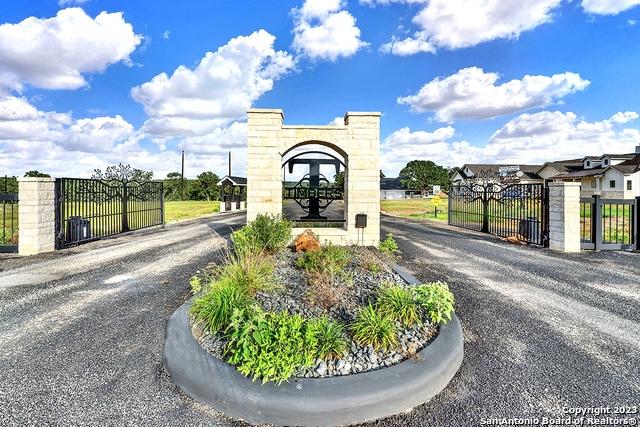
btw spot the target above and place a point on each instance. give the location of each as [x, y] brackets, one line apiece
[81, 330]
[542, 331]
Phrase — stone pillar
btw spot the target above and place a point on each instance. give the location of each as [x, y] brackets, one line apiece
[362, 180]
[36, 215]
[264, 176]
[564, 216]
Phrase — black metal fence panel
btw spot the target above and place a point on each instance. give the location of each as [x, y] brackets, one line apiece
[506, 210]
[90, 209]
[609, 224]
[8, 214]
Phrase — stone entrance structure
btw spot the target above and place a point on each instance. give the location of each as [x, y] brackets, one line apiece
[357, 141]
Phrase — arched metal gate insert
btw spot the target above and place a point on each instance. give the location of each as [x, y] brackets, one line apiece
[314, 193]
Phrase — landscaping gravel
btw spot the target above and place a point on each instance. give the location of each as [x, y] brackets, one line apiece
[358, 287]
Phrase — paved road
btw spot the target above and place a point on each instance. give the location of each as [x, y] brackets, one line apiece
[542, 331]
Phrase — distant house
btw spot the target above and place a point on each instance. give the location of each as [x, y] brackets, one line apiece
[392, 188]
[524, 174]
[613, 176]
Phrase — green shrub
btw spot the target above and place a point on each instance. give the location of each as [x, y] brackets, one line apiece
[266, 233]
[251, 272]
[195, 282]
[269, 346]
[437, 301]
[388, 246]
[399, 304]
[374, 267]
[215, 308]
[372, 328]
[329, 258]
[329, 337]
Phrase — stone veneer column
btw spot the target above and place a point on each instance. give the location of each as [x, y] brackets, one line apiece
[264, 174]
[36, 215]
[564, 216]
[363, 176]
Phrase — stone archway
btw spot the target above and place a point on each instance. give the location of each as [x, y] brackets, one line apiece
[358, 141]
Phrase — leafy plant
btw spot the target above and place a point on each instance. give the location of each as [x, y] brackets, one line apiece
[215, 308]
[251, 272]
[329, 258]
[388, 246]
[374, 267]
[437, 301]
[269, 346]
[266, 233]
[373, 328]
[399, 304]
[196, 284]
[329, 337]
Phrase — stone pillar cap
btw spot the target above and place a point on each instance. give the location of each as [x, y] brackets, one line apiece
[35, 179]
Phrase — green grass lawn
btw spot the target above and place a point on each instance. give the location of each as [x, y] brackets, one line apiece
[415, 208]
[8, 224]
[175, 211]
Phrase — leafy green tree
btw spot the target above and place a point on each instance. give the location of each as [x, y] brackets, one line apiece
[206, 186]
[37, 174]
[172, 186]
[423, 174]
[339, 179]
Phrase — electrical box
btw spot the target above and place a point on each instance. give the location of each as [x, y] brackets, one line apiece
[361, 220]
[78, 229]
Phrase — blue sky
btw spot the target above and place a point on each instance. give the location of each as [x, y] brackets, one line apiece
[81, 82]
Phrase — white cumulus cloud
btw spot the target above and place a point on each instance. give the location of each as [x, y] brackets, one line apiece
[527, 139]
[454, 24]
[608, 7]
[218, 91]
[54, 53]
[474, 93]
[323, 29]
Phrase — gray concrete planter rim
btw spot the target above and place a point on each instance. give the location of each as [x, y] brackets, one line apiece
[332, 401]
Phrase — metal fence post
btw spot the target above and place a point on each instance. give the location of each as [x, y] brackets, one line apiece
[636, 240]
[596, 222]
[449, 206]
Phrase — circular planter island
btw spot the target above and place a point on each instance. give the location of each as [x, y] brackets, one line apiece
[330, 401]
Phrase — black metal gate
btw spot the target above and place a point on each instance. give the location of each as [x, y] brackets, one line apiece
[503, 209]
[609, 224]
[89, 209]
[8, 215]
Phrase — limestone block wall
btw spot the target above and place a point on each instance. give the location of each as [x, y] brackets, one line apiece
[36, 215]
[358, 141]
[564, 216]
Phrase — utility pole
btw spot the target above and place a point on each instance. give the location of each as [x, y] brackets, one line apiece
[229, 163]
[182, 178]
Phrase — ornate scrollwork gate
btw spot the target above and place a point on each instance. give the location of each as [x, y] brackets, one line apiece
[500, 206]
[89, 209]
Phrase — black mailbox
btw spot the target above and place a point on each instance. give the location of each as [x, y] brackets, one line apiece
[361, 220]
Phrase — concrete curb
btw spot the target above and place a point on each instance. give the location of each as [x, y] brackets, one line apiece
[311, 401]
